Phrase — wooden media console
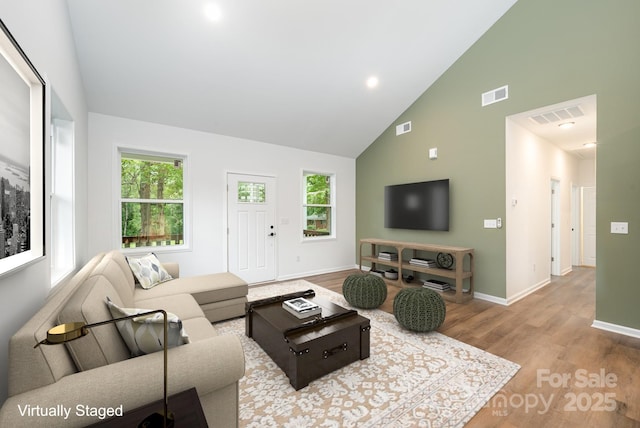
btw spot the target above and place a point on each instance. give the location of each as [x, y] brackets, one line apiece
[461, 270]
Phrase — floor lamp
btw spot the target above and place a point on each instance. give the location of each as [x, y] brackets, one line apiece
[70, 331]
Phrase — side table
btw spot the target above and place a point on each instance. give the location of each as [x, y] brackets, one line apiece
[184, 405]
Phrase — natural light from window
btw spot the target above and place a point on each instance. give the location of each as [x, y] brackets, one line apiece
[151, 200]
[62, 209]
[319, 206]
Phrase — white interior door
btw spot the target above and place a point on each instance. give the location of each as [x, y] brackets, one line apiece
[589, 226]
[251, 227]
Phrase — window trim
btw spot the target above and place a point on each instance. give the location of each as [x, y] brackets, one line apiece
[57, 125]
[332, 205]
[118, 200]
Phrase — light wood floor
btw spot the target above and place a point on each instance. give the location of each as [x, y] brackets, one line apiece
[549, 335]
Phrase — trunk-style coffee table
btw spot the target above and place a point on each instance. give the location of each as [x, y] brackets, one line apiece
[307, 349]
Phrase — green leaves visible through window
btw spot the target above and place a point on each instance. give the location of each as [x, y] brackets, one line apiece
[253, 193]
[318, 204]
[152, 202]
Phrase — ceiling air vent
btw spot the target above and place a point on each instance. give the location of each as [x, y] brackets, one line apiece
[495, 95]
[403, 128]
[557, 115]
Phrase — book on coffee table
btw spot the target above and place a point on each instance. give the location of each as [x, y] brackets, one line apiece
[301, 307]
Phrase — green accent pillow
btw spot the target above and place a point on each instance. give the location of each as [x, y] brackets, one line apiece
[145, 334]
[148, 270]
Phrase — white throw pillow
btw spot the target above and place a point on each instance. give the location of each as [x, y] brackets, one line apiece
[148, 270]
[145, 334]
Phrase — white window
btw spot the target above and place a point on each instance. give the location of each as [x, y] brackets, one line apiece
[152, 200]
[318, 209]
[62, 255]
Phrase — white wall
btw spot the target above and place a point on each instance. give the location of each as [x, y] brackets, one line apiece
[210, 158]
[587, 172]
[42, 29]
[531, 164]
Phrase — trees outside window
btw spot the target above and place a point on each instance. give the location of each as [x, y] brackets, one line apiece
[151, 200]
[318, 207]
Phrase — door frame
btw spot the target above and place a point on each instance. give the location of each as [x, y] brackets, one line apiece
[555, 227]
[576, 228]
[227, 231]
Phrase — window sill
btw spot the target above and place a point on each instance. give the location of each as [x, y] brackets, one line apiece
[158, 249]
[61, 275]
[319, 238]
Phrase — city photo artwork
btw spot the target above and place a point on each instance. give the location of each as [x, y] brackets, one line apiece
[22, 142]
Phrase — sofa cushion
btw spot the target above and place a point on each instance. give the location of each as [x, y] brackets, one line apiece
[183, 305]
[205, 289]
[115, 269]
[103, 345]
[145, 334]
[199, 329]
[148, 270]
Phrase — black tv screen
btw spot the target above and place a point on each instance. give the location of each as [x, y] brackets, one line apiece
[420, 206]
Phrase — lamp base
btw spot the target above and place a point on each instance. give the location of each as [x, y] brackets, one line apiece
[156, 420]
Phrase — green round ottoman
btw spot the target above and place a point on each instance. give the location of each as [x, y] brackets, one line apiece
[364, 291]
[419, 309]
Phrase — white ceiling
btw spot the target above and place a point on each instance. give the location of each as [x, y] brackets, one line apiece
[286, 72]
[573, 139]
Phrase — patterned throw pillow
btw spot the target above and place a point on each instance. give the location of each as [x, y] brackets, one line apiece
[148, 270]
[145, 334]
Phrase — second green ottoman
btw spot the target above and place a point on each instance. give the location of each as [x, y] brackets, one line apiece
[364, 291]
[419, 309]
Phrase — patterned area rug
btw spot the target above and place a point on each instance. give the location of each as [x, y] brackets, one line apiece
[410, 379]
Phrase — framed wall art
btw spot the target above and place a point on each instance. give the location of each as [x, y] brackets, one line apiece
[22, 139]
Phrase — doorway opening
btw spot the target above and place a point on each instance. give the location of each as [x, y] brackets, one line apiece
[549, 164]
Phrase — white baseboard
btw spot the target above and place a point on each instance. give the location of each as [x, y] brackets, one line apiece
[489, 298]
[566, 271]
[615, 328]
[300, 275]
[524, 293]
[511, 300]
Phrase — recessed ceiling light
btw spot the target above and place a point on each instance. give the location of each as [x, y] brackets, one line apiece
[212, 12]
[372, 82]
[567, 125]
[589, 145]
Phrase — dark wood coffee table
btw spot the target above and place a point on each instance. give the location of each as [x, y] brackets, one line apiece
[307, 349]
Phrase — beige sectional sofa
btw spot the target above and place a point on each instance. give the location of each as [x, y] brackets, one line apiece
[55, 385]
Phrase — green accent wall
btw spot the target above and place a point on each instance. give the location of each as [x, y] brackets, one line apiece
[547, 51]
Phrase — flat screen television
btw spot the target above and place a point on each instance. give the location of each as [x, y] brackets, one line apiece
[419, 206]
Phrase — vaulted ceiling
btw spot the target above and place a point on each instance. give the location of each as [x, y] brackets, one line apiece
[285, 72]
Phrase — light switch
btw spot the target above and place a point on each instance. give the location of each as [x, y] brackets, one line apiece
[490, 224]
[620, 227]
[433, 153]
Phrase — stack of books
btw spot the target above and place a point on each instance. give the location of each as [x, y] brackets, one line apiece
[434, 284]
[385, 255]
[428, 263]
[301, 307]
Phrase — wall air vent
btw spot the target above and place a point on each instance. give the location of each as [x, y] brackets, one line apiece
[557, 115]
[495, 95]
[403, 128]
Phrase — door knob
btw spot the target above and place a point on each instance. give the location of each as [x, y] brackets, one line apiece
[272, 234]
